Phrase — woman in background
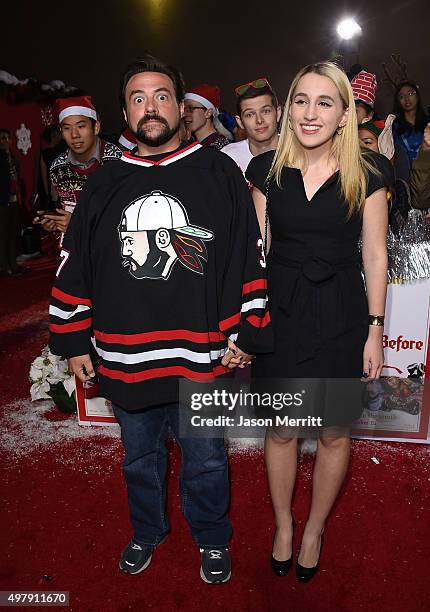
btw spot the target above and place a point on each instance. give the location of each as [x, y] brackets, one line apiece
[411, 119]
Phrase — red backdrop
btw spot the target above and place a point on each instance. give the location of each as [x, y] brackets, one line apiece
[35, 118]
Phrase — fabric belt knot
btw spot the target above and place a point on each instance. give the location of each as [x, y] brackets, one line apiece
[314, 274]
[318, 270]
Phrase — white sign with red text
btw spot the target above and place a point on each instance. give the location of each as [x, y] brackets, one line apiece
[399, 404]
[407, 326]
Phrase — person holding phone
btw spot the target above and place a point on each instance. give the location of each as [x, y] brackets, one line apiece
[69, 172]
[314, 196]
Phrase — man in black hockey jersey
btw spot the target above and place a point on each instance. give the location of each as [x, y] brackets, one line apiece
[163, 266]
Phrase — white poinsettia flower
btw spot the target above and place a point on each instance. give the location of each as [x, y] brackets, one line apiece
[35, 373]
[39, 363]
[69, 384]
[39, 391]
[63, 367]
[39, 376]
[55, 371]
[46, 371]
[47, 362]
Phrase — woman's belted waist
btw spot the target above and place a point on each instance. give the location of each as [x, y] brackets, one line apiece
[314, 273]
[316, 269]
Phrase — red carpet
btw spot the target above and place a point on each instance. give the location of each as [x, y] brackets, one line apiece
[64, 515]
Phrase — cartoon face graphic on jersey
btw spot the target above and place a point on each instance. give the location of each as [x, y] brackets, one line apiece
[155, 233]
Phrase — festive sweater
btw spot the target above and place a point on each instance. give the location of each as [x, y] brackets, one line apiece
[68, 179]
[162, 262]
[215, 140]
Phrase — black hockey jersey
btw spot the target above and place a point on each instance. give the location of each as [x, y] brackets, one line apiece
[162, 262]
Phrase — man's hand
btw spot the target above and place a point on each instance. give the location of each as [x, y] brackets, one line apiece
[82, 366]
[426, 139]
[61, 219]
[235, 357]
[47, 224]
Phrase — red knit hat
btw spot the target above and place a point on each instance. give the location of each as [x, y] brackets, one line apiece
[81, 105]
[127, 139]
[207, 95]
[364, 88]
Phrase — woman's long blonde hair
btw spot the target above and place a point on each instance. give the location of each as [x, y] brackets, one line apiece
[345, 150]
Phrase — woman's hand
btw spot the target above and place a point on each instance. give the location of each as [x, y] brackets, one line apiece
[373, 354]
[235, 357]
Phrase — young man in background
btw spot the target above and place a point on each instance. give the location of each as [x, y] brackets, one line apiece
[258, 113]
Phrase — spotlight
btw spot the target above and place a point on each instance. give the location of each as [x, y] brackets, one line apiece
[348, 28]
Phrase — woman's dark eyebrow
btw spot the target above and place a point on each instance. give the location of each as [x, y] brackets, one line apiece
[324, 96]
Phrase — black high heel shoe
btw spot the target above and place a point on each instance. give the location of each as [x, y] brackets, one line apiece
[281, 568]
[304, 574]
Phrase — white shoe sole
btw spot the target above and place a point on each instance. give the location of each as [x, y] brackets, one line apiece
[203, 577]
[127, 571]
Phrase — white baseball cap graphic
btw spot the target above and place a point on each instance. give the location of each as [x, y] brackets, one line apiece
[159, 210]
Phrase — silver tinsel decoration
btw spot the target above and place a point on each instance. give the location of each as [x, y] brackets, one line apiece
[409, 253]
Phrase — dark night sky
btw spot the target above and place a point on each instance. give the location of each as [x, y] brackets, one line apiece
[87, 43]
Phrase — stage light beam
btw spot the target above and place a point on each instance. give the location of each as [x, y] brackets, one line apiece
[348, 28]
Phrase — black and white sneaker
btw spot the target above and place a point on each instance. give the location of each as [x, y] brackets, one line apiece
[135, 558]
[215, 565]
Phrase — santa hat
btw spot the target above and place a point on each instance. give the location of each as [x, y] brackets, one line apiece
[364, 88]
[82, 105]
[127, 140]
[207, 95]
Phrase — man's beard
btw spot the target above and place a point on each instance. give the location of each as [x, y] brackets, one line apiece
[161, 137]
[152, 267]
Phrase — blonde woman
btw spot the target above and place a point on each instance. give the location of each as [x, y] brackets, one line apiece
[319, 193]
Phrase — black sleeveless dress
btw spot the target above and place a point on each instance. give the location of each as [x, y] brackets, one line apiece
[317, 297]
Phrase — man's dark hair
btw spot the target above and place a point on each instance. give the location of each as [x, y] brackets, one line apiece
[150, 63]
[5, 131]
[254, 92]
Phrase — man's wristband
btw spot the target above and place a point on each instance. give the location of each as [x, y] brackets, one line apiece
[376, 320]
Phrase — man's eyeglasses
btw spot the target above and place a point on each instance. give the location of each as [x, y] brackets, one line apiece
[190, 109]
[257, 84]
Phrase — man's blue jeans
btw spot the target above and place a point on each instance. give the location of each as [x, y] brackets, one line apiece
[204, 480]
